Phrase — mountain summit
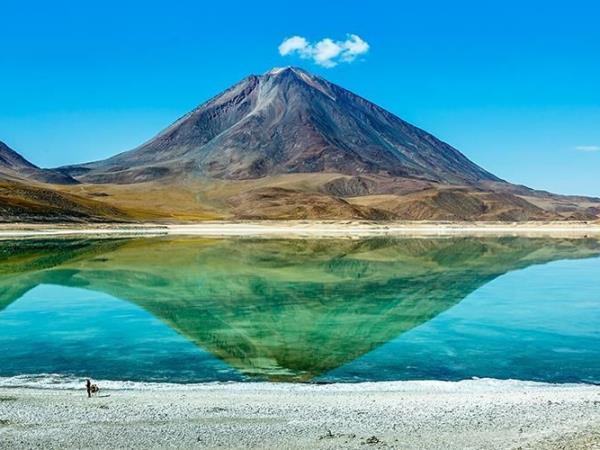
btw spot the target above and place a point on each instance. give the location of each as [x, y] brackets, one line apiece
[287, 121]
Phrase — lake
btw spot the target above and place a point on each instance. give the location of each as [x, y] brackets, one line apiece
[327, 310]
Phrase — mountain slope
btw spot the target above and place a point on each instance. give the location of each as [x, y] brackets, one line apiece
[31, 202]
[13, 165]
[287, 121]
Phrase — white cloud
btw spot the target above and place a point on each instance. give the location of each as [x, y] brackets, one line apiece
[293, 44]
[354, 46]
[588, 148]
[326, 52]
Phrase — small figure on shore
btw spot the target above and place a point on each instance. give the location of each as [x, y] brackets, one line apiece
[91, 388]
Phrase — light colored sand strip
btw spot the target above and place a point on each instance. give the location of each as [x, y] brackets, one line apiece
[412, 415]
[311, 229]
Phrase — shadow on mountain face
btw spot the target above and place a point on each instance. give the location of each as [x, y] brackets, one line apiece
[281, 309]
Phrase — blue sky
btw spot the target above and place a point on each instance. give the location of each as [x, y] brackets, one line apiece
[513, 85]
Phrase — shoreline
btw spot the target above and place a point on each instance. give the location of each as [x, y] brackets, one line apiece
[305, 229]
[406, 414]
[59, 382]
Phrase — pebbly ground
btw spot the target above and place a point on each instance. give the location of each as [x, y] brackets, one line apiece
[404, 415]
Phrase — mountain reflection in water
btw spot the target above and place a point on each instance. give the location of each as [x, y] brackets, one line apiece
[282, 310]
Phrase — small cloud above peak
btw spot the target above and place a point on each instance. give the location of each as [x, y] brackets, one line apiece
[326, 52]
[294, 44]
[588, 148]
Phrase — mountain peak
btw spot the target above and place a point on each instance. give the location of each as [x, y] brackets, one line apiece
[289, 76]
[286, 69]
[278, 70]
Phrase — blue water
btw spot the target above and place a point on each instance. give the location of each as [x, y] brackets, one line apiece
[71, 331]
[301, 311]
[541, 323]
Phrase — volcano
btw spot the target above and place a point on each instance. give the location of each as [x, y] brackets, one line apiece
[287, 121]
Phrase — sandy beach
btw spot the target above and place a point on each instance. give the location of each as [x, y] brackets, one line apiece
[306, 229]
[477, 414]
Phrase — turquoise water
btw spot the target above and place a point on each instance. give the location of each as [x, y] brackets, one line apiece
[194, 310]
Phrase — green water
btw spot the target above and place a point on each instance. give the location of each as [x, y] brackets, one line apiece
[191, 309]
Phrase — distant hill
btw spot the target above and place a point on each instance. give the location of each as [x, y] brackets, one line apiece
[13, 165]
[291, 145]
